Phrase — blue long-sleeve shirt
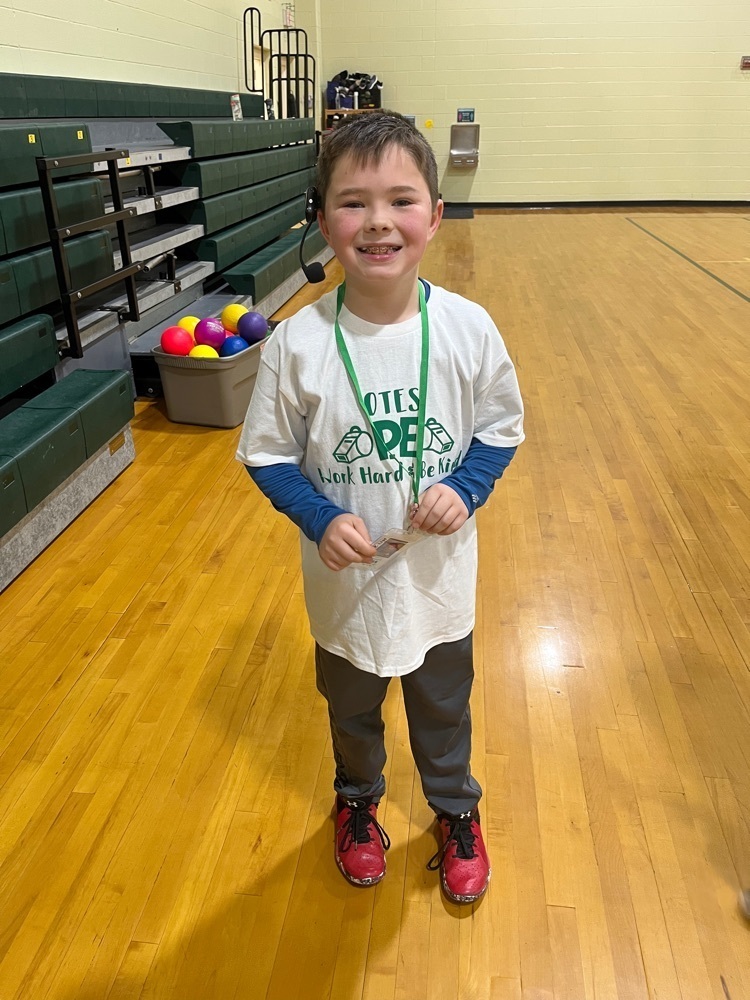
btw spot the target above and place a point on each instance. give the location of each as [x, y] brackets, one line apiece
[293, 494]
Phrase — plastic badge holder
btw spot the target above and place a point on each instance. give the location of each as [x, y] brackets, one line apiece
[395, 541]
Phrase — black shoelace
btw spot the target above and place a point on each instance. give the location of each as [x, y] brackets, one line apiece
[460, 834]
[356, 829]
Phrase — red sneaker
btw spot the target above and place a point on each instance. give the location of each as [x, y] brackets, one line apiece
[360, 855]
[462, 859]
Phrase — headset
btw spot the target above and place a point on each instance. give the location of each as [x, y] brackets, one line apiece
[313, 272]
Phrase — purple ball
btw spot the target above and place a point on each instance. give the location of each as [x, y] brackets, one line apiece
[252, 327]
[232, 345]
[210, 332]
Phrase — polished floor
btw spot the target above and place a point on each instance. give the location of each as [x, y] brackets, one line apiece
[165, 771]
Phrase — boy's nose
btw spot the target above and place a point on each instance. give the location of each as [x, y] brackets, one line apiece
[378, 220]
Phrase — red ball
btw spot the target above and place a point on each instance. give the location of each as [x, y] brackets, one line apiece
[176, 340]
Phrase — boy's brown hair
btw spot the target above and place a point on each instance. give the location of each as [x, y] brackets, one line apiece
[366, 137]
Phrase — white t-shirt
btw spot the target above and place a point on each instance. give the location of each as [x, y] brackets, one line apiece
[383, 618]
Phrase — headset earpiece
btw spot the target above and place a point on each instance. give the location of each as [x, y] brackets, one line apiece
[312, 204]
[314, 272]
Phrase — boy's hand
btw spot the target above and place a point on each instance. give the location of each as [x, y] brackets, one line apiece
[441, 511]
[346, 541]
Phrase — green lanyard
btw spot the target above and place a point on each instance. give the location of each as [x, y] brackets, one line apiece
[423, 370]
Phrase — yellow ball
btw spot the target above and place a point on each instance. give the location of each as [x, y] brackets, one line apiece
[203, 351]
[230, 316]
[188, 323]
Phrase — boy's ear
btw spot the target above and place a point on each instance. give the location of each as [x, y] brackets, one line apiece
[437, 215]
[323, 226]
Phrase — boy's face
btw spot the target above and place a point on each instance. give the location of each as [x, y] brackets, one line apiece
[379, 218]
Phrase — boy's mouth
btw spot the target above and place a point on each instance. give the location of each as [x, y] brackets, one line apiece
[379, 250]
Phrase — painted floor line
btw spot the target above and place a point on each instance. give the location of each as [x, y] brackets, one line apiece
[690, 260]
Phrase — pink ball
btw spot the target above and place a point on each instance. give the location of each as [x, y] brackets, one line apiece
[210, 332]
[175, 340]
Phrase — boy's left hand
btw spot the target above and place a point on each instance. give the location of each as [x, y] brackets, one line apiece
[441, 511]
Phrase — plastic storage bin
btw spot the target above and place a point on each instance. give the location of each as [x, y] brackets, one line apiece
[213, 392]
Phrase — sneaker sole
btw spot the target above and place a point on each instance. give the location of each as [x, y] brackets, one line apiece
[360, 883]
[463, 900]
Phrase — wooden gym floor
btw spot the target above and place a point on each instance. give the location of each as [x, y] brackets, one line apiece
[165, 773]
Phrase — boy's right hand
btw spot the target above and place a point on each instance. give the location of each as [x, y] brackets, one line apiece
[346, 541]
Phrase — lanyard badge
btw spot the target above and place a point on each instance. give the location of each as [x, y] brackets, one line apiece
[424, 365]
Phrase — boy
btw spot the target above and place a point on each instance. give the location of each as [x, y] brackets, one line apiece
[388, 408]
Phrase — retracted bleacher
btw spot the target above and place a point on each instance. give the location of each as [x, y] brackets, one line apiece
[47, 463]
[216, 208]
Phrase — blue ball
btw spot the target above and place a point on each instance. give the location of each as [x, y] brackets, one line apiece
[232, 345]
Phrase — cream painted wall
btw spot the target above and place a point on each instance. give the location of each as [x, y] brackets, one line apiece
[308, 16]
[614, 100]
[191, 43]
[617, 100]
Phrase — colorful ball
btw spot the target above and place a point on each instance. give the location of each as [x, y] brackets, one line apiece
[204, 351]
[230, 316]
[188, 323]
[252, 327]
[210, 332]
[176, 340]
[232, 345]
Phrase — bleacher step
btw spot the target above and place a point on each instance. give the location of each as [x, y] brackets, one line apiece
[98, 323]
[147, 157]
[161, 238]
[168, 197]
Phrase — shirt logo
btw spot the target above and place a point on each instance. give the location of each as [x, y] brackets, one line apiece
[400, 437]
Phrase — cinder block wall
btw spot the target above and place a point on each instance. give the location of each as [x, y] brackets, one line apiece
[613, 100]
[172, 43]
[617, 100]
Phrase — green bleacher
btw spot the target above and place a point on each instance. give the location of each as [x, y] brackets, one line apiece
[22, 144]
[222, 138]
[230, 245]
[32, 282]
[23, 223]
[25, 96]
[229, 209]
[228, 173]
[28, 350]
[250, 175]
[43, 442]
[265, 270]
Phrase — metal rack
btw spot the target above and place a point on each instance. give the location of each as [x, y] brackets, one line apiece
[71, 297]
[286, 49]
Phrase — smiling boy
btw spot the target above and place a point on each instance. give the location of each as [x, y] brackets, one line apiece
[389, 408]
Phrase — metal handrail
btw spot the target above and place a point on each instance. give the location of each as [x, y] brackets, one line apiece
[72, 297]
[250, 81]
[280, 43]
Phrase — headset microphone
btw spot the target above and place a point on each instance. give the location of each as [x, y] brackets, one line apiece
[313, 272]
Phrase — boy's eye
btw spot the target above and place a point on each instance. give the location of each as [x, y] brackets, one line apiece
[401, 202]
[353, 204]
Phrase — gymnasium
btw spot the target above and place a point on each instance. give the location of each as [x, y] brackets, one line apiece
[165, 759]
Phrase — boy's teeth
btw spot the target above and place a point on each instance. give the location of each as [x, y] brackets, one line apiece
[378, 250]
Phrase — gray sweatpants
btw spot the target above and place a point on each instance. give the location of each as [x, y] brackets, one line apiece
[436, 697]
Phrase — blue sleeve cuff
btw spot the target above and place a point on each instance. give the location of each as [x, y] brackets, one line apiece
[474, 480]
[293, 494]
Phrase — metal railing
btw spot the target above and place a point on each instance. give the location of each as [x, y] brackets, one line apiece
[71, 298]
[291, 85]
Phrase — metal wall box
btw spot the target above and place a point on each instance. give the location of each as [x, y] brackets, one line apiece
[464, 145]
